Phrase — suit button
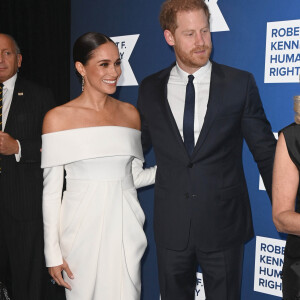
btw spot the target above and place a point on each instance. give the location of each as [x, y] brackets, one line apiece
[194, 196]
[190, 165]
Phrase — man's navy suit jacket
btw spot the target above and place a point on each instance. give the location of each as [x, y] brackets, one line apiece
[208, 189]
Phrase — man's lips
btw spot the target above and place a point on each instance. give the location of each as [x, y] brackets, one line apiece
[199, 50]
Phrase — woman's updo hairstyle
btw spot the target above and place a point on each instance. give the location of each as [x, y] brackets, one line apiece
[85, 45]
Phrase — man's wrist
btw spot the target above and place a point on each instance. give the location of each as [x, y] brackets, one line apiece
[17, 147]
[18, 151]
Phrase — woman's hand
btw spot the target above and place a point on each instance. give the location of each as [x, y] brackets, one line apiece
[55, 273]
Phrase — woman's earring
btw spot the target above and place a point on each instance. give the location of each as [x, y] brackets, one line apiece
[82, 84]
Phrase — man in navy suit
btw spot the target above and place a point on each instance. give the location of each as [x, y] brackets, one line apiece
[196, 114]
[24, 104]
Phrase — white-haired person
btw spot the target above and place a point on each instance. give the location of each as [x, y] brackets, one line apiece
[286, 202]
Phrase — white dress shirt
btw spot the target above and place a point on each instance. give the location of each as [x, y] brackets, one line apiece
[176, 95]
[8, 91]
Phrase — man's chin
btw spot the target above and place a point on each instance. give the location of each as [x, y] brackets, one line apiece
[199, 63]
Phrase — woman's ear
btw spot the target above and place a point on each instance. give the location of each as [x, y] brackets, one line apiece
[80, 68]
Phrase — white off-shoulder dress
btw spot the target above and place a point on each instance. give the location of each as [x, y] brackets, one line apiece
[97, 224]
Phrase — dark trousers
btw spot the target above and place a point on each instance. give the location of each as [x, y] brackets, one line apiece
[222, 272]
[22, 263]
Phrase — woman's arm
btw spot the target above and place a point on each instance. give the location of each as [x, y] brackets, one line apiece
[142, 177]
[53, 185]
[52, 197]
[52, 192]
[284, 190]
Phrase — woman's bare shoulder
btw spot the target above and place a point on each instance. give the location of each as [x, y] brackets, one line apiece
[130, 114]
[57, 118]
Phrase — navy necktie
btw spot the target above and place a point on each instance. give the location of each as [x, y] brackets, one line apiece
[189, 116]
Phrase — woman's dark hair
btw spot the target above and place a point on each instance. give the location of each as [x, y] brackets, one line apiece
[85, 45]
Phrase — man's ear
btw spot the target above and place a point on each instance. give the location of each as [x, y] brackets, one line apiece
[169, 37]
[19, 60]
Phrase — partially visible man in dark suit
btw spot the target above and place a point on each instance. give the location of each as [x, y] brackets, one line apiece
[196, 114]
[23, 106]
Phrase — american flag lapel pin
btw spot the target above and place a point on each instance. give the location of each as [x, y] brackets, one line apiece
[20, 94]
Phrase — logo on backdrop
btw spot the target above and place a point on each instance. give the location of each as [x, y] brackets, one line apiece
[217, 21]
[126, 44]
[199, 291]
[268, 265]
[282, 52]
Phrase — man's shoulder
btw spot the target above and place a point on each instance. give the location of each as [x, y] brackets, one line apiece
[25, 83]
[33, 92]
[228, 70]
[158, 76]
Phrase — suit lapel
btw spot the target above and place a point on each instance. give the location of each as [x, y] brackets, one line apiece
[164, 78]
[213, 105]
[17, 97]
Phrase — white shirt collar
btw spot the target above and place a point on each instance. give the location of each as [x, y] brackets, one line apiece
[199, 74]
[10, 83]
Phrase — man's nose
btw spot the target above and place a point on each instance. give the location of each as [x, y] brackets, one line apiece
[199, 39]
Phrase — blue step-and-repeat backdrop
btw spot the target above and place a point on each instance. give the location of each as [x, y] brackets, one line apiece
[262, 37]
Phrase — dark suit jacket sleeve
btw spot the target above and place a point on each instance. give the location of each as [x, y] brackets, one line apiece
[258, 134]
[146, 138]
[30, 147]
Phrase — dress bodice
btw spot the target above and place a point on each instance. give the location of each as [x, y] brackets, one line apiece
[74, 145]
[101, 168]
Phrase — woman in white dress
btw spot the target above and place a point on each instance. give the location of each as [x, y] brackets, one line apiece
[94, 230]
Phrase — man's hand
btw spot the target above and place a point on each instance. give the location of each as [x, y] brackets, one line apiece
[8, 145]
[55, 272]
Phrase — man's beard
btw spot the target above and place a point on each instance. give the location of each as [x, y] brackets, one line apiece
[191, 59]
